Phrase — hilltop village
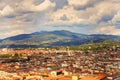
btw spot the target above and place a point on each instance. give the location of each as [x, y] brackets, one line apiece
[64, 64]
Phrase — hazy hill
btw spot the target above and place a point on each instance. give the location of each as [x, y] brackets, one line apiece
[53, 38]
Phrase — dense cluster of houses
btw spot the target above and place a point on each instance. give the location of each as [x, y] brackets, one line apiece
[51, 64]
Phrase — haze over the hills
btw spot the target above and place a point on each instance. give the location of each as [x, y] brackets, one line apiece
[79, 16]
[53, 38]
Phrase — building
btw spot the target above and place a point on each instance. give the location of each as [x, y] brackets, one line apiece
[75, 77]
[67, 72]
[56, 72]
[97, 77]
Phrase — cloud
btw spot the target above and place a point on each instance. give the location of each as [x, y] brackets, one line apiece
[15, 32]
[83, 4]
[23, 15]
[77, 3]
[107, 30]
[47, 4]
[100, 11]
[98, 16]
[7, 10]
[68, 12]
[102, 15]
[90, 15]
[60, 4]
[116, 18]
[20, 7]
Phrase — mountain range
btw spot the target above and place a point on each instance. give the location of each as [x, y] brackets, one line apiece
[53, 38]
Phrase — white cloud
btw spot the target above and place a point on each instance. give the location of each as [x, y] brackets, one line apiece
[90, 15]
[33, 15]
[14, 32]
[106, 30]
[23, 6]
[17, 16]
[116, 18]
[101, 10]
[78, 3]
[7, 10]
[30, 6]
[99, 15]
[70, 14]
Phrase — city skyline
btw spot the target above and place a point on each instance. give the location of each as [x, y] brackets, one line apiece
[80, 16]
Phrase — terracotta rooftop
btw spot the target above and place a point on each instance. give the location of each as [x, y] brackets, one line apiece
[98, 77]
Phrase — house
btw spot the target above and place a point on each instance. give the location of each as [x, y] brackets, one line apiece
[97, 77]
[56, 72]
[67, 72]
[75, 77]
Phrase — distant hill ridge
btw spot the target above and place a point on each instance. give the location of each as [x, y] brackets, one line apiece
[53, 38]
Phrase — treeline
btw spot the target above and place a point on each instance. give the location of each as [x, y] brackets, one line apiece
[16, 55]
[105, 45]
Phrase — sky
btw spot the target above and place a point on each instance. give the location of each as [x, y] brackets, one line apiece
[80, 16]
